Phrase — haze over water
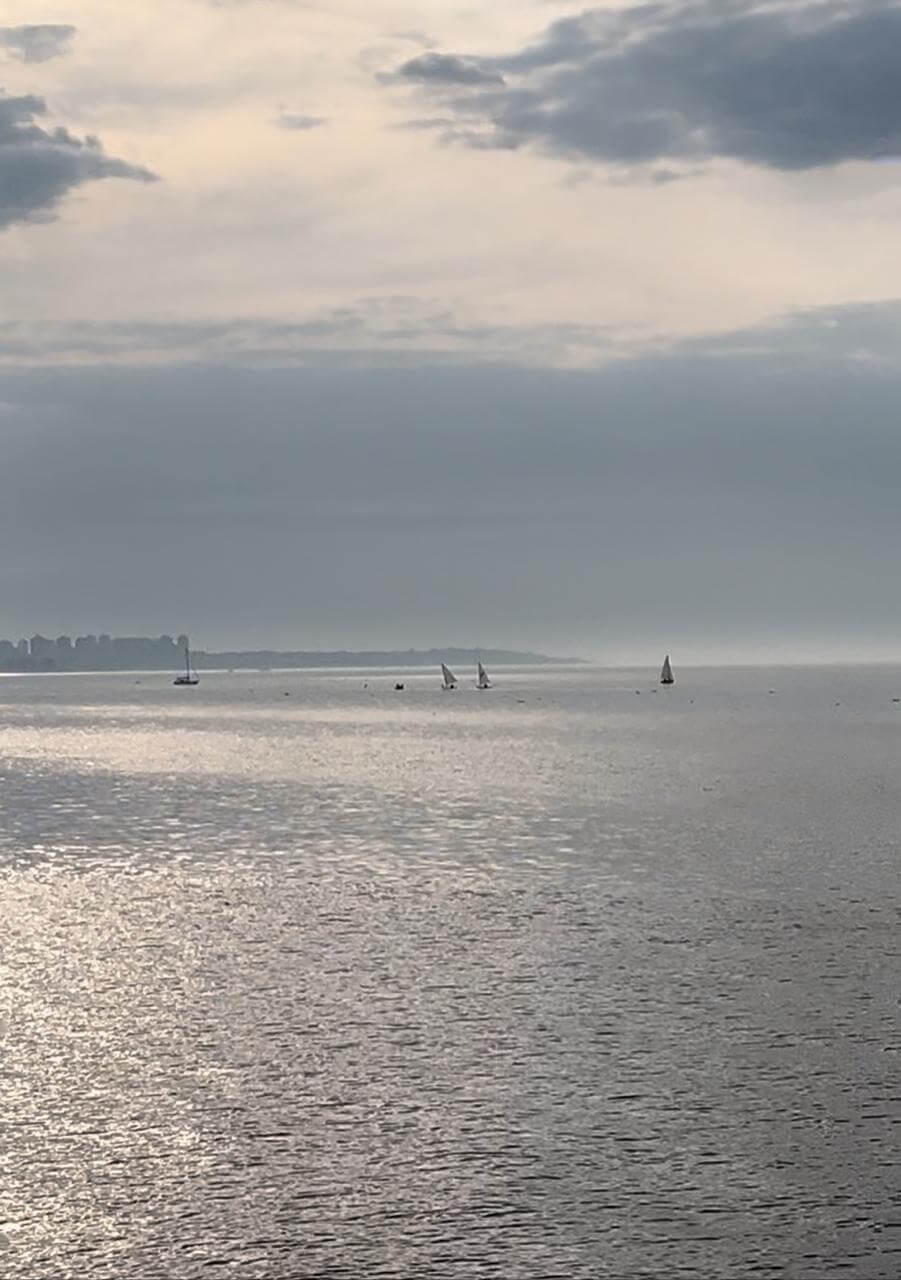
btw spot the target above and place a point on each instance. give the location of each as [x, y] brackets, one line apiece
[303, 977]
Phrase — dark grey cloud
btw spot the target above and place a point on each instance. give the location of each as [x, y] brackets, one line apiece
[718, 495]
[299, 121]
[782, 84]
[38, 42]
[447, 68]
[38, 166]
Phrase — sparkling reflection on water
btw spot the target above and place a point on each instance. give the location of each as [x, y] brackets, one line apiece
[556, 981]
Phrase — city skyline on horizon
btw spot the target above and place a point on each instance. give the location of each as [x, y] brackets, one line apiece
[64, 651]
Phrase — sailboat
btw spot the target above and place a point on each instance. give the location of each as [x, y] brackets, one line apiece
[190, 676]
[666, 672]
[483, 682]
[450, 680]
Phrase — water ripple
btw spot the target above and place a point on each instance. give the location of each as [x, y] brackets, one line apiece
[403, 1022]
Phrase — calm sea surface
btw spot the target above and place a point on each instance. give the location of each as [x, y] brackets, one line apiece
[302, 977]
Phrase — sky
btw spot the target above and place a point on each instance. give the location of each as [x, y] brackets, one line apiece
[393, 323]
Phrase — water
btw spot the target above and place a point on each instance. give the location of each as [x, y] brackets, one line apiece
[302, 978]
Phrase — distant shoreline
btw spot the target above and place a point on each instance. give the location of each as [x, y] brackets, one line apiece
[274, 659]
[256, 659]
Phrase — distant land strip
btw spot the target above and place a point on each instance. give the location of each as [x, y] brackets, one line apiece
[377, 658]
[164, 653]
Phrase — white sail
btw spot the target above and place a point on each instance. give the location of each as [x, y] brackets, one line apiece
[190, 676]
[483, 681]
[450, 680]
[666, 672]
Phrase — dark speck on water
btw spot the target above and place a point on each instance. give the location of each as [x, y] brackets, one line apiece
[442, 988]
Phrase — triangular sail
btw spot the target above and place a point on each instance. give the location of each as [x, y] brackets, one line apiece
[666, 672]
[450, 680]
[483, 682]
[190, 676]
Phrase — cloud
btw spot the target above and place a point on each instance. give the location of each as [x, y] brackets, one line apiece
[424, 124]
[384, 332]
[778, 84]
[398, 331]
[297, 120]
[447, 68]
[413, 37]
[39, 42]
[38, 167]
[236, 4]
[860, 334]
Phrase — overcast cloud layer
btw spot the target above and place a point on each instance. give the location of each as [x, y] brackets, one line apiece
[725, 506]
[407, 324]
